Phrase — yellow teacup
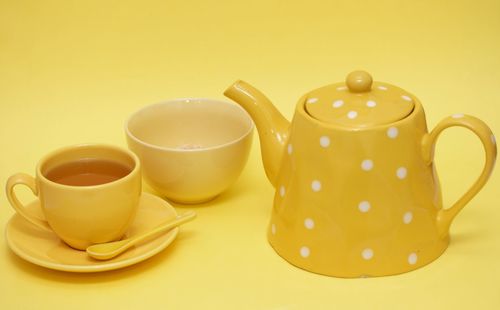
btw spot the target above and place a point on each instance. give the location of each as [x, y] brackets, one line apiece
[88, 193]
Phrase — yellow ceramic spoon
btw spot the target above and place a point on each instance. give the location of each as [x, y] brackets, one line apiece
[103, 251]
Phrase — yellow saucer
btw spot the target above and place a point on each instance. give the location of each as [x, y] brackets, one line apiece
[46, 249]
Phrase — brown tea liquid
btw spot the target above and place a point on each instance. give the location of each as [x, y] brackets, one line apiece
[87, 172]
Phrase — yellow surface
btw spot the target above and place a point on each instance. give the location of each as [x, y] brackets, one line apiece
[72, 71]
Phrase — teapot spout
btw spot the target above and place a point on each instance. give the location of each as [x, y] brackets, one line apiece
[271, 125]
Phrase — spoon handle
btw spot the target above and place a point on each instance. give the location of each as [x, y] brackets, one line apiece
[103, 251]
[180, 219]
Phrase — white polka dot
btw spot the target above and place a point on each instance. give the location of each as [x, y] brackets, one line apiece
[352, 114]
[392, 132]
[458, 115]
[290, 149]
[338, 103]
[273, 229]
[364, 206]
[407, 217]
[382, 87]
[309, 223]
[412, 258]
[371, 103]
[312, 100]
[342, 88]
[367, 165]
[305, 252]
[493, 140]
[367, 254]
[316, 185]
[407, 98]
[282, 191]
[401, 172]
[324, 141]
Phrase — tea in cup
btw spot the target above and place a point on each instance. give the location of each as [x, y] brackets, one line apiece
[88, 193]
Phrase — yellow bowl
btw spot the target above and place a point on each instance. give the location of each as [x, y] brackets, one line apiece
[191, 150]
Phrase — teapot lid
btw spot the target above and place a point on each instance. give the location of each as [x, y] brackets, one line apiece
[359, 102]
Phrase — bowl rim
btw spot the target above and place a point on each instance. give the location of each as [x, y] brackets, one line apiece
[188, 100]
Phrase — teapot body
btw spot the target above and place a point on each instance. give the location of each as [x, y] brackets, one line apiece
[357, 193]
[357, 202]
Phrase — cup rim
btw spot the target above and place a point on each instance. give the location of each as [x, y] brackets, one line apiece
[187, 100]
[131, 174]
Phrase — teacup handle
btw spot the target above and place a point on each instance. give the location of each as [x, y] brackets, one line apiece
[483, 132]
[29, 181]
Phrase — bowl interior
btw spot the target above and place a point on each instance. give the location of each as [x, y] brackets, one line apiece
[189, 124]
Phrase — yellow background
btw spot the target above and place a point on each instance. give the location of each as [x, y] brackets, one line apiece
[72, 71]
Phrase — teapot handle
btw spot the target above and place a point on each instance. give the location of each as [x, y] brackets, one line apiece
[483, 132]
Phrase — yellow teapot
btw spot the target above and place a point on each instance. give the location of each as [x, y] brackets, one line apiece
[357, 192]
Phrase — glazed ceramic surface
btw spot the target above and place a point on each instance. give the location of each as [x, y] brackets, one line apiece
[191, 149]
[44, 248]
[356, 188]
[82, 215]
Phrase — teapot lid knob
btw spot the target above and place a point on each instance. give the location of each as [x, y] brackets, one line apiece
[359, 81]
